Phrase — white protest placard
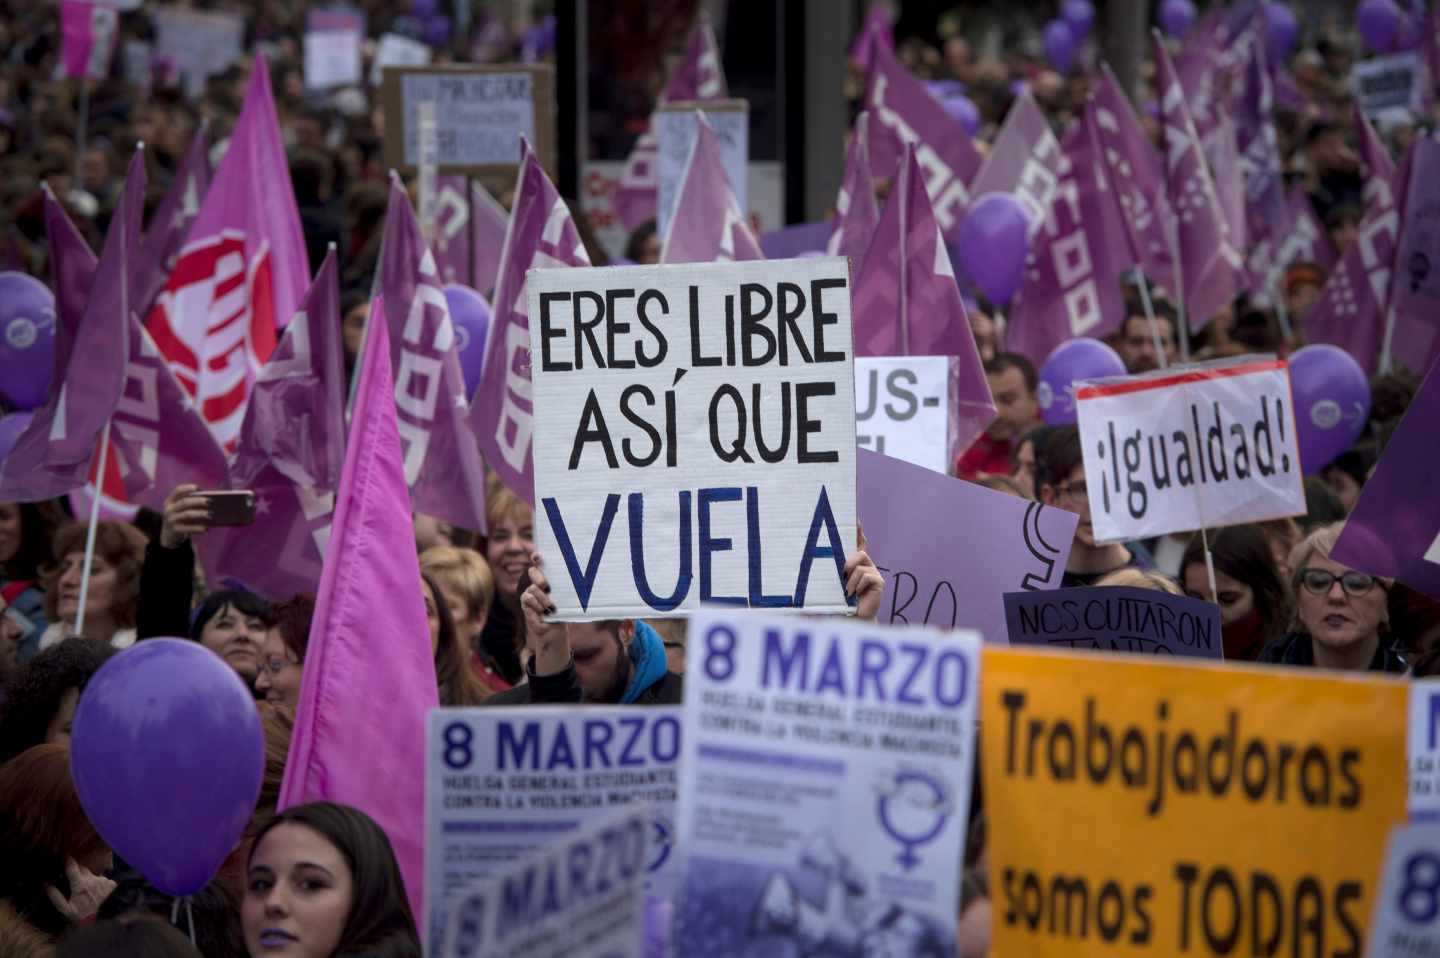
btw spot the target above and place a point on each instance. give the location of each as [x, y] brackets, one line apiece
[902, 408]
[333, 36]
[397, 50]
[502, 783]
[583, 896]
[1192, 447]
[1422, 738]
[481, 112]
[1407, 906]
[201, 43]
[1387, 83]
[694, 435]
[824, 786]
[675, 125]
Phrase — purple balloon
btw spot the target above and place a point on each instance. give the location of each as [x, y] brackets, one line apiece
[1176, 16]
[27, 340]
[167, 756]
[1410, 33]
[1068, 363]
[437, 30]
[1280, 32]
[1332, 403]
[993, 242]
[1079, 16]
[963, 111]
[470, 315]
[424, 8]
[1379, 23]
[1059, 45]
[11, 427]
[942, 89]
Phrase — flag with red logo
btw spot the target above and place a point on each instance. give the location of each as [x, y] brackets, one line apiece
[708, 225]
[241, 274]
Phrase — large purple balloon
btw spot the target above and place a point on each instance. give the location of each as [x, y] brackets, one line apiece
[437, 30]
[424, 8]
[470, 315]
[1059, 45]
[1176, 16]
[167, 755]
[1071, 361]
[1280, 31]
[1332, 403]
[993, 243]
[1079, 16]
[11, 427]
[1379, 23]
[27, 340]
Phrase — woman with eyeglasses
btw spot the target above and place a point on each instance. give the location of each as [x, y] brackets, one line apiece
[282, 656]
[1342, 620]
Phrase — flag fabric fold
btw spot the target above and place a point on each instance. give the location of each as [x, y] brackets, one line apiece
[470, 232]
[708, 225]
[369, 676]
[170, 223]
[1134, 171]
[1412, 340]
[89, 33]
[1025, 161]
[856, 212]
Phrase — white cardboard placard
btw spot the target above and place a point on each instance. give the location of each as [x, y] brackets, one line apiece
[902, 408]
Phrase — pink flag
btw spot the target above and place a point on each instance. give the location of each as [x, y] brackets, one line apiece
[88, 35]
[906, 303]
[876, 32]
[1415, 283]
[1134, 172]
[369, 676]
[291, 450]
[856, 213]
[699, 76]
[903, 113]
[1072, 286]
[170, 223]
[53, 455]
[242, 272]
[1210, 264]
[442, 461]
[708, 225]
[469, 233]
[1025, 160]
[541, 234]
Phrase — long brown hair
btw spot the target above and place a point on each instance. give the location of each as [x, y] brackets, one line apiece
[118, 543]
[457, 684]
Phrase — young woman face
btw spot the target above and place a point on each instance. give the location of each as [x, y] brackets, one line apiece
[279, 676]
[298, 895]
[432, 618]
[1237, 599]
[102, 585]
[510, 547]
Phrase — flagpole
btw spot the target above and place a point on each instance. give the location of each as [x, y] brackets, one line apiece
[1144, 286]
[1209, 565]
[1388, 342]
[90, 533]
[1282, 314]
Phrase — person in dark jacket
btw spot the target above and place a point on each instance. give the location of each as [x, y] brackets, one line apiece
[1342, 615]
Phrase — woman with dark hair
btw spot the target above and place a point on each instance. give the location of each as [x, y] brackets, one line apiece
[26, 529]
[283, 654]
[114, 590]
[232, 623]
[40, 702]
[457, 684]
[52, 855]
[1255, 604]
[323, 881]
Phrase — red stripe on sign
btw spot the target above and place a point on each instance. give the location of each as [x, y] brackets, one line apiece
[1195, 376]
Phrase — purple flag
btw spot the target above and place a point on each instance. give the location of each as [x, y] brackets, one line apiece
[1025, 160]
[369, 676]
[291, 451]
[903, 113]
[53, 455]
[708, 225]
[1296, 236]
[89, 33]
[1394, 529]
[949, 549]
[469, 234]
[1415, 283]
[1209, 263]
[1223, 157]
[1375, 162]
[1072, 284]
[442, 462]
[541, 234]
[1270, 214]
[1134, 172]
[797, 240]
[856, 213]
[874, 33]
[906, 302]
[171, 221]
[699, 76]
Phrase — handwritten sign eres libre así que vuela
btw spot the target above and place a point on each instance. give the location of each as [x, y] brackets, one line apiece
[694, 436]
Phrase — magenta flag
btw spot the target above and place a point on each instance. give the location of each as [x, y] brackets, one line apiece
[875, 32]
[1135, 174]
[903, 113]
[856, 212]
[442, 460]
[170, 223]
[291, 451]
[469, 233]
[53, 455]
[905, 300]
[369, 676]
[708, 225]
[1210, 263]
[1072, 286]
[241, 274]
[1415, 280]
[541, 234]
[89, 33]
[1025, 160]
[699, 76]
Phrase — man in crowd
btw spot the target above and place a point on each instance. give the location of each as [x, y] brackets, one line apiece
[1135, 341]
[1012, 385]
[1060, 473]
